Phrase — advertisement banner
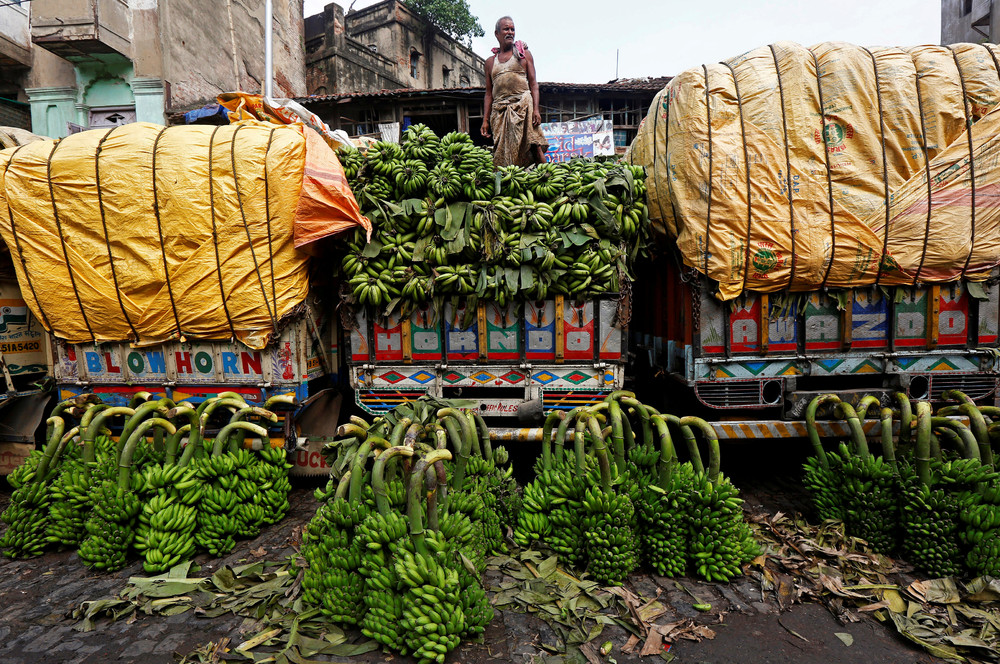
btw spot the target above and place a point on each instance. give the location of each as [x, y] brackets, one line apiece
[581, 138]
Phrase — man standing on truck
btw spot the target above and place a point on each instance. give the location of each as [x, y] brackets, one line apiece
[510, 108]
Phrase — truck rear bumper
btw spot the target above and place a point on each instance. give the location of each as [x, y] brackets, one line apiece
[730, 431]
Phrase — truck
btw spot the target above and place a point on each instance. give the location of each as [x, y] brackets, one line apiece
[753, 368]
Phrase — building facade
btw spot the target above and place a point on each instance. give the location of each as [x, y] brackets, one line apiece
[624, 102]
[974, 21]
[384, 46]
[98, 63]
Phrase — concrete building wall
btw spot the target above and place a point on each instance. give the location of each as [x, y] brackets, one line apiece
[170, 55]
[399, 33]
[974, 21]
[15, 36]
[384, 46]
[219, 46]
[337, 63]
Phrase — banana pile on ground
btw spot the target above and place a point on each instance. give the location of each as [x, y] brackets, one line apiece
[936, 501]
[604, 507]
[141, 492]
[448, 225]
[27, 515]
[378, 555]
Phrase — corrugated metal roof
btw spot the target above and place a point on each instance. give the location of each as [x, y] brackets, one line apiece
[621, 85]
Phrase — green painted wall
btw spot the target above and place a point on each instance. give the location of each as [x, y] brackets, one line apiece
[103, 81]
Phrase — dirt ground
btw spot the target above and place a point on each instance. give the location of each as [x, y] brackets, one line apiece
[38, 595]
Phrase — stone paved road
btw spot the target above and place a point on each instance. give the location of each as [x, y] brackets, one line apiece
[38, 593]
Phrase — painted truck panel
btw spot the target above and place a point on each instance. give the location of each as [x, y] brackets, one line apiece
[560, 352]
[923, 340]
[22, 338]
[194, 370]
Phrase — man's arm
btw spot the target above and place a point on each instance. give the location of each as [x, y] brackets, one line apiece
[529, 67]
[488, 99]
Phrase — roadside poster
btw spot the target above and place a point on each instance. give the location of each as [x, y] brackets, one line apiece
[580, 138]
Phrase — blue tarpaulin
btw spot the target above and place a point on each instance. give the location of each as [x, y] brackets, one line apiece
[205, 112]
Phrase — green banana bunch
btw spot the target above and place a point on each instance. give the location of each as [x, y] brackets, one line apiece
[465, 526]
[532, 519]
[274, 496]
[869, 488]
[444, 181]
[546, 181]
[418, 288]
[250, 512]
[981, 533]
[380, 535]
[410, 178]
[432, 619]
[29, 513]
[381, 157]
[642, 464]
[719, 540]
[217, 523]
[334, 550]
[28, 517]
[460, 157]
[983, 558]
[70, 504]
[110, 527]
[455, 137]
[537, 217]
[25, 472]
[488, 481]
[569, 211]
[351, 160]
[373, 188]
[371, 289]
[478, 184]
[610, 543]
[476, 607]
[165, 532]
[823, 485]
[334, 555]
[664, 514]
[567, 539]
[930, 530]
[459, 280]
[420, 142]
[513, 180]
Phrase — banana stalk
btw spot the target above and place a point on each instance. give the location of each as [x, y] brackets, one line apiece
[813, 432]
[922, 452]
[845, 411]
[963, 437]
[888, 448]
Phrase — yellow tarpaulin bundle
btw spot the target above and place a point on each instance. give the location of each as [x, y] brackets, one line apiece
[764, 192]
[147, 234]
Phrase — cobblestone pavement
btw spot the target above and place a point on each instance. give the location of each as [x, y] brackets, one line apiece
[39, 593]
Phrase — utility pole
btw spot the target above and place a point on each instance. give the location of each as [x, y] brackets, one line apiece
[616, 62]
[268, 49]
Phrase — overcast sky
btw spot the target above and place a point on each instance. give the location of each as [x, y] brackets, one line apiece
[575, 40]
